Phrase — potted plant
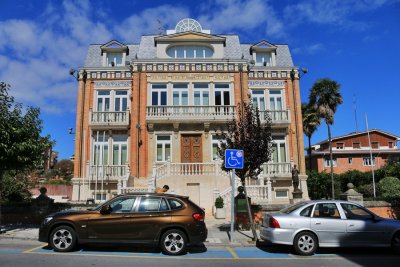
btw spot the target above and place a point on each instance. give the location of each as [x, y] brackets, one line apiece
[219, 208]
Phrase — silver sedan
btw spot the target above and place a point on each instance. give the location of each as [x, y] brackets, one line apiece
[329, 223]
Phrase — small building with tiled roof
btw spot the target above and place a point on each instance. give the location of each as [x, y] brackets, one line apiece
[355, 151]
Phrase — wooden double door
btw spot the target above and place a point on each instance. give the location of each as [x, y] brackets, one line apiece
[191, 148]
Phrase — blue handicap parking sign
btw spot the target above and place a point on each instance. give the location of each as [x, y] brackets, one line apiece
[234, 159]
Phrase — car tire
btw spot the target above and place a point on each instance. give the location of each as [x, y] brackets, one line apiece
[62, 239]
[173, 242]
[305, 243]
[396, 243]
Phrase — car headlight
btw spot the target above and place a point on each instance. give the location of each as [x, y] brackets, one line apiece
[47, 220]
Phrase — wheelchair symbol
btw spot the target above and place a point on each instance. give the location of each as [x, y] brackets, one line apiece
[232, 160]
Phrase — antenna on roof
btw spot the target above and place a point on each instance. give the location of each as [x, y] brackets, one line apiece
[161, 29]
[355, 111]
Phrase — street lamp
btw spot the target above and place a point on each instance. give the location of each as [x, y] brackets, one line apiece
[292, 78]
[80, 76]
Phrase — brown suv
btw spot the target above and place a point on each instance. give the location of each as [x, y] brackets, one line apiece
[169, 221]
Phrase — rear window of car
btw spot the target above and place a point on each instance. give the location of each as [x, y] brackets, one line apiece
[174, 204]
[151, 204]
[307, 211]
[292, 208]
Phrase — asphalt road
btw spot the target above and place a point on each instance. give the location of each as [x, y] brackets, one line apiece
[30, 253]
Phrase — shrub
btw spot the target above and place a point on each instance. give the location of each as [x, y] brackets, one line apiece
[390, 188]
[219, 202]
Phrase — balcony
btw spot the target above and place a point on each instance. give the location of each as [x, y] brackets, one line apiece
[107, 173]
[194, 114]
[283, 169]
[109, 119]
[278, 117]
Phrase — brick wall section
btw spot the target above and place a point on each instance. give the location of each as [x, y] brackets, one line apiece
[54, 190]
[387, 212]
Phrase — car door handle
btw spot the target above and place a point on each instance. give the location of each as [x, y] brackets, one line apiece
[351, 224]
[127, 216]
[317, 222]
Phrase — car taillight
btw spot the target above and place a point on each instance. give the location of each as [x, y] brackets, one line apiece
[198, 217]
[273, 223]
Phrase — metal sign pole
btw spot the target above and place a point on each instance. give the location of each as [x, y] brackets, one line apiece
[232, 203]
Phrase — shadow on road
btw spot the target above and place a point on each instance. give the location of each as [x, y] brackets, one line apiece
[199, 248]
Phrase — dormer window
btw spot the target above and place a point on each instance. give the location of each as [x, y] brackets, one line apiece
[114, 59]
[263, 59]
[264, 54]
[114, 54]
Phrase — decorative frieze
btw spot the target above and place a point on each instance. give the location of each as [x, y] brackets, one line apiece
[264, 84]
[112, 84]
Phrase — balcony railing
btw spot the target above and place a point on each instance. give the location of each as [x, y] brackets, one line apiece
[277, 169]
[190, 113]
[107, 172]
[276, 116]
[109, 118]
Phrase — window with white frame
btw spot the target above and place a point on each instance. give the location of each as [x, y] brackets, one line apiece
[339, 145]
[350, 161]
[281, 193]
[368, 161]
[111, 100]
[100, 148]
[182, 51]
[180, 94]
[258, 99]
[375, 145]
[263, 59]
[327, 161]
[158, 94]
[163, 148]
[120, 149]
[279, 149]
[201, 94]
[121, 100]
[114, 59]
[276, 104]
[275, 99]
[222, 94]
[215, 143]
[103, 100]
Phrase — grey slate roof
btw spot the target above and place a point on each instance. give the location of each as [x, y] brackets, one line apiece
[147, 50]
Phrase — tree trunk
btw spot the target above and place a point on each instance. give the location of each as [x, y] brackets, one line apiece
[253, 228]
[309, 153]
[331, 160]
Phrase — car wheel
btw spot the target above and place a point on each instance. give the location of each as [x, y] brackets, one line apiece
[173, 242]
[62, 239]
[305, 243]
[396, 243]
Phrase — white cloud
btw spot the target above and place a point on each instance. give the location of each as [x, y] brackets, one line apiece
[148, 22]
[238, 15]
[336, 12]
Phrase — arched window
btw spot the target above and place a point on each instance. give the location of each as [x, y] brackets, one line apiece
[189, 51]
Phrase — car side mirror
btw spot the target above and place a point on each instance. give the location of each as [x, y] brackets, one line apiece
[106, 209]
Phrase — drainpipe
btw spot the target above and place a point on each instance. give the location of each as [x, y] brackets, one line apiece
[139, 141]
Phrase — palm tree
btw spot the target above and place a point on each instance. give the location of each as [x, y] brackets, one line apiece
[311, 121]
[325, 97]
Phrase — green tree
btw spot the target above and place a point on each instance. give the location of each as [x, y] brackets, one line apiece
[246, 132]
[21, 145]
[311, 121]
[65, 168]
[390, 188]
[325, 97]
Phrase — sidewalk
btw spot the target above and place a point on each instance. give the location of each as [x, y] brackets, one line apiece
[218, 233]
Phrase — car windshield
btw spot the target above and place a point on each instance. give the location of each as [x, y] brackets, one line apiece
[292, 208]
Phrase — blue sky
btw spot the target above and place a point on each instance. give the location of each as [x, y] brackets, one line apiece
[355, 42]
